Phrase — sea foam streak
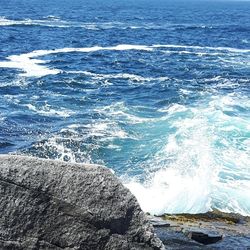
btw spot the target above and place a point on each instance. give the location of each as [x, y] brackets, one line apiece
[130, 77]
[234, 50]
[56, 22]
[49, 21]
[34, 68]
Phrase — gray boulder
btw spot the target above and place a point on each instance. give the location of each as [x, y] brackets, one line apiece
[48, 204]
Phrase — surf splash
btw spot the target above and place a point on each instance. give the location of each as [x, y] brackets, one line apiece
[179, 144]
[200, 165]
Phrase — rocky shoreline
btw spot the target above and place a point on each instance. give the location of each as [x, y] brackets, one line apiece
[56, 205]
[211, 230]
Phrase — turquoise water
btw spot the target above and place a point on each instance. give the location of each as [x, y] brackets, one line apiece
[156, 91]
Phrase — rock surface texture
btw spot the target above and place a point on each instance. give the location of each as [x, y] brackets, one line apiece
[55, 205]
[213, 230]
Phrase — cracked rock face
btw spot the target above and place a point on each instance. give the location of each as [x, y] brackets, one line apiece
[55, 205]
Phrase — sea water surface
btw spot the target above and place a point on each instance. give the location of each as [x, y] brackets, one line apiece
[158, 91]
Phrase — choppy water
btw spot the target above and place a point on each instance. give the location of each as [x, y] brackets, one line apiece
[158, 91]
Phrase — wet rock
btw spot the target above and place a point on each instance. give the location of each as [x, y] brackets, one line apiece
[193, 231]
[156, 222]
[55, 205]
[204, 238]
[173, 238]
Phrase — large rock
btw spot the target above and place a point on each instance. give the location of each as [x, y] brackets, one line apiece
[55, 205]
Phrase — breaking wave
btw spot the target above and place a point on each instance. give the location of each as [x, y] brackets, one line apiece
[180, 148]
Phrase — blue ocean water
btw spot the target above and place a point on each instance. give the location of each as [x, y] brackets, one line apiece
[158, 91]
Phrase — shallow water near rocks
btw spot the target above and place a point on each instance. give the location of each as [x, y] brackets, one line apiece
[157, 91]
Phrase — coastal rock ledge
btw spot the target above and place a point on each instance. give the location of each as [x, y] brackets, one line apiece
[48, 204]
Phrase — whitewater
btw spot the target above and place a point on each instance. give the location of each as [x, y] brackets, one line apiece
[160, 98]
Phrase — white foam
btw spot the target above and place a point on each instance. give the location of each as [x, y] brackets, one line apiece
[69, 143]
[229, 49]
[199, 166]
[108, 130]
[195, 53]
[131, 77]
[120, 112]
[185, 184]
[54, 21]
[33, 67]
[18, 81]
[2, 118]
[173, 109]
[48, 22]
[171, 192]
[47, 110]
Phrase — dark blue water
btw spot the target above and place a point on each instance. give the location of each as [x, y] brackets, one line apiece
[158, 91]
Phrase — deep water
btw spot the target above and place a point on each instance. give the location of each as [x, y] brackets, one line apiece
[158, 91]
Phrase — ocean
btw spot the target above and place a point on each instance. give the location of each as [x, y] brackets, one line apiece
[157, 91]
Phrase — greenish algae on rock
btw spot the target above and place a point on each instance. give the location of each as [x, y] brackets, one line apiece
[211, 230]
